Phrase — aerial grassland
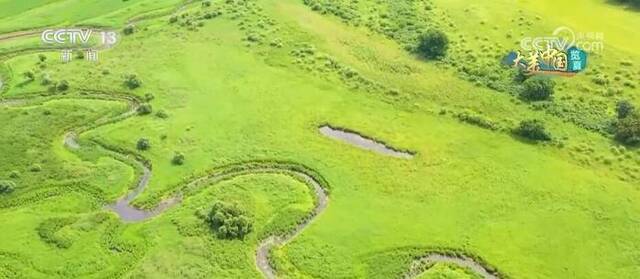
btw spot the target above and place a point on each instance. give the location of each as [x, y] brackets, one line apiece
[237, 82]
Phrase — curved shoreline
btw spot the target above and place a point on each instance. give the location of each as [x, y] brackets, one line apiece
[361, 141]
[422, 264]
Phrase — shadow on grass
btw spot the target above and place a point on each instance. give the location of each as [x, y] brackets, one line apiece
[626, 4]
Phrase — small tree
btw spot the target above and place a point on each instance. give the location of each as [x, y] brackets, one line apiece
[145, 109]
[533, 130]
[628, 129]
[433, 44]
[6, 187]
[178, 159]
[229, 221]
[624, 108]
[538, 88]
[143, 144]
[42, 57]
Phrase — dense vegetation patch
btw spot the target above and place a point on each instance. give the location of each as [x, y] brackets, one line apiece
[628, 129]
[49, 229]
[132, 81]
[6, 187]
[145, 109]
[433, 44]
[228, 221]
[143, 144]
[178, 159]
[538, 88]
[533, 130]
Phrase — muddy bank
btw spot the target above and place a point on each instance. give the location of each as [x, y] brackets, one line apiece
[419, 265]
[363, 142]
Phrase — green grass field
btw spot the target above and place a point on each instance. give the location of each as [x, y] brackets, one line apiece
[255, 81]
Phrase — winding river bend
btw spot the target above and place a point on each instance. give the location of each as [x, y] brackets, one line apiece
[130, 214]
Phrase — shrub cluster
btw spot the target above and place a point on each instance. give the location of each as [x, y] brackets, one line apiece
[533, 130]
[178, 159]
[228, 221]
[143, 144]
[132, 81]
[538, 88]
[48, 231]
[145, 109]
[130, 29]
[433, 44]
[7, 187]
[477, 120]
[628, 129]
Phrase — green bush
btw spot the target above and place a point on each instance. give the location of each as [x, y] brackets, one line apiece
[433, 44]
[42, 57]
[228, 221]
[145, 109]
[143, 144]
[628, 129]
[45, 79]
[35, 168]
[178, 159]
[7, 187]
[132, 81]
[624, 108]
[130, 29]
[162, 114]
[533, 130]
[29, 75]
[537, 88]
[63, 85]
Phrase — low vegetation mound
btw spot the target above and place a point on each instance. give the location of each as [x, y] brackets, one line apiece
[228, 221]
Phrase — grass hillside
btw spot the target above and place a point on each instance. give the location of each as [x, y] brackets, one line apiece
[231, 83]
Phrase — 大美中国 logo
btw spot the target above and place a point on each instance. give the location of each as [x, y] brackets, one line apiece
[549, 61]
[562, 53]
